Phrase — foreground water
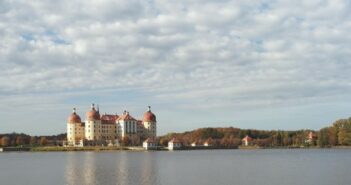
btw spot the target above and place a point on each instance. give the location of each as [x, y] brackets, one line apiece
[205, 167]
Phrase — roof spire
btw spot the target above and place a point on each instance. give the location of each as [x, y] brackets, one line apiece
[149, 108]
[92, 106]
[74, 110]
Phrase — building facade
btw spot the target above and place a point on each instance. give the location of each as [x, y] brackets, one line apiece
[174, 144]
[246, 141]
[109, 128]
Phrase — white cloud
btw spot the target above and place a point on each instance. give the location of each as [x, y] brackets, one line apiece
[190, 54]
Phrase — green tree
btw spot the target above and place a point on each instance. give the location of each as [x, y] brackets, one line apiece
[43, 141]
[33, 141]
[332, 136]
[323, 137]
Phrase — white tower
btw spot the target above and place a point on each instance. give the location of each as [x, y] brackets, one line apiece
[75, 128]
[93, 125]
[149, 122]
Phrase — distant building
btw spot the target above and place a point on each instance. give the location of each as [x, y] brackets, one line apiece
[247, 140]
[108, 128]
[150, 144]
[311, 138]
[195, 143]
[208, 142]
[174, 144]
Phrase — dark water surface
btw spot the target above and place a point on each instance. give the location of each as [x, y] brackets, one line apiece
[203, 167]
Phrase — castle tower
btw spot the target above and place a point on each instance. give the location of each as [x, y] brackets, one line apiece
[149, 122]
[75, 128]
[93, 125]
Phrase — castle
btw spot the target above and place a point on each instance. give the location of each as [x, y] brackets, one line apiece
[109, 129]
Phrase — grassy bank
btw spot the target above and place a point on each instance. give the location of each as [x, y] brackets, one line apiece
[86, 148]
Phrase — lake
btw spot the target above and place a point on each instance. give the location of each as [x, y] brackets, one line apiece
[202, 167]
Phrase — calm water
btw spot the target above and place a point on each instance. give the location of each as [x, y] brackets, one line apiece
[232, 167]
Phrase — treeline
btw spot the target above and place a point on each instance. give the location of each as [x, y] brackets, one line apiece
[231, 137]
[20, 139]
[339, 134]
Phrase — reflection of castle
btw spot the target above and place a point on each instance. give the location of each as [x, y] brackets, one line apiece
[107, 128]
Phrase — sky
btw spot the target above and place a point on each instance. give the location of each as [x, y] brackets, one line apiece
[265, 64]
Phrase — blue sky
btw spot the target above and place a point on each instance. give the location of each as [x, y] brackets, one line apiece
[199, 63]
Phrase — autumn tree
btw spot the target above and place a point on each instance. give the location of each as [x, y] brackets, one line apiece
[135, 140]
[5, 141]
[163, 141]
[19, 140]
[43, 141]
[125, 141]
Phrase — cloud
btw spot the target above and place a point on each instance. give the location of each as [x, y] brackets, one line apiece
[190, 54]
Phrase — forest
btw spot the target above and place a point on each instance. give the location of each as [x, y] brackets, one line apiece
[338, 134]
[20, 139]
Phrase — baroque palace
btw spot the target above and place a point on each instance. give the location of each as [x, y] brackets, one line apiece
[109, 129]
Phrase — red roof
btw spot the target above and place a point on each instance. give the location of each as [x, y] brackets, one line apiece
[74, 118]
[93, 114]
[312, 135]
[149, 116]
[108, 119]
[174, 140]
[248, 138]
[126, 117]
[150, 140]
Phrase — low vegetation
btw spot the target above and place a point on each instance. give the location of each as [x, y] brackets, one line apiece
[339, 134]
[336, 135]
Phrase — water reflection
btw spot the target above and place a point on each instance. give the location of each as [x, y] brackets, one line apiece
[148, 174]
[73, 173]
[89, 168]
[240, 167]
[122, 173]
[115, 168]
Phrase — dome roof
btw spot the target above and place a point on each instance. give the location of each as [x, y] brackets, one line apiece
[74, 117]
[93, 114]
[149, 116]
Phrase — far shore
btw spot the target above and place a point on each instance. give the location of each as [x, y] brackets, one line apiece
[139, 148]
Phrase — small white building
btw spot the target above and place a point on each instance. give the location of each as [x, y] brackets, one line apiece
[247, 140]
[193, 144]
[174, 144]
[208, 142]
[150, 144]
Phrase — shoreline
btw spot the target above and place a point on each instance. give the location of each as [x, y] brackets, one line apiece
[139, 148]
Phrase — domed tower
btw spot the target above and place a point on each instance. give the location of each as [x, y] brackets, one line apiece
[75, 128]
[149, 122]
[93, 124]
